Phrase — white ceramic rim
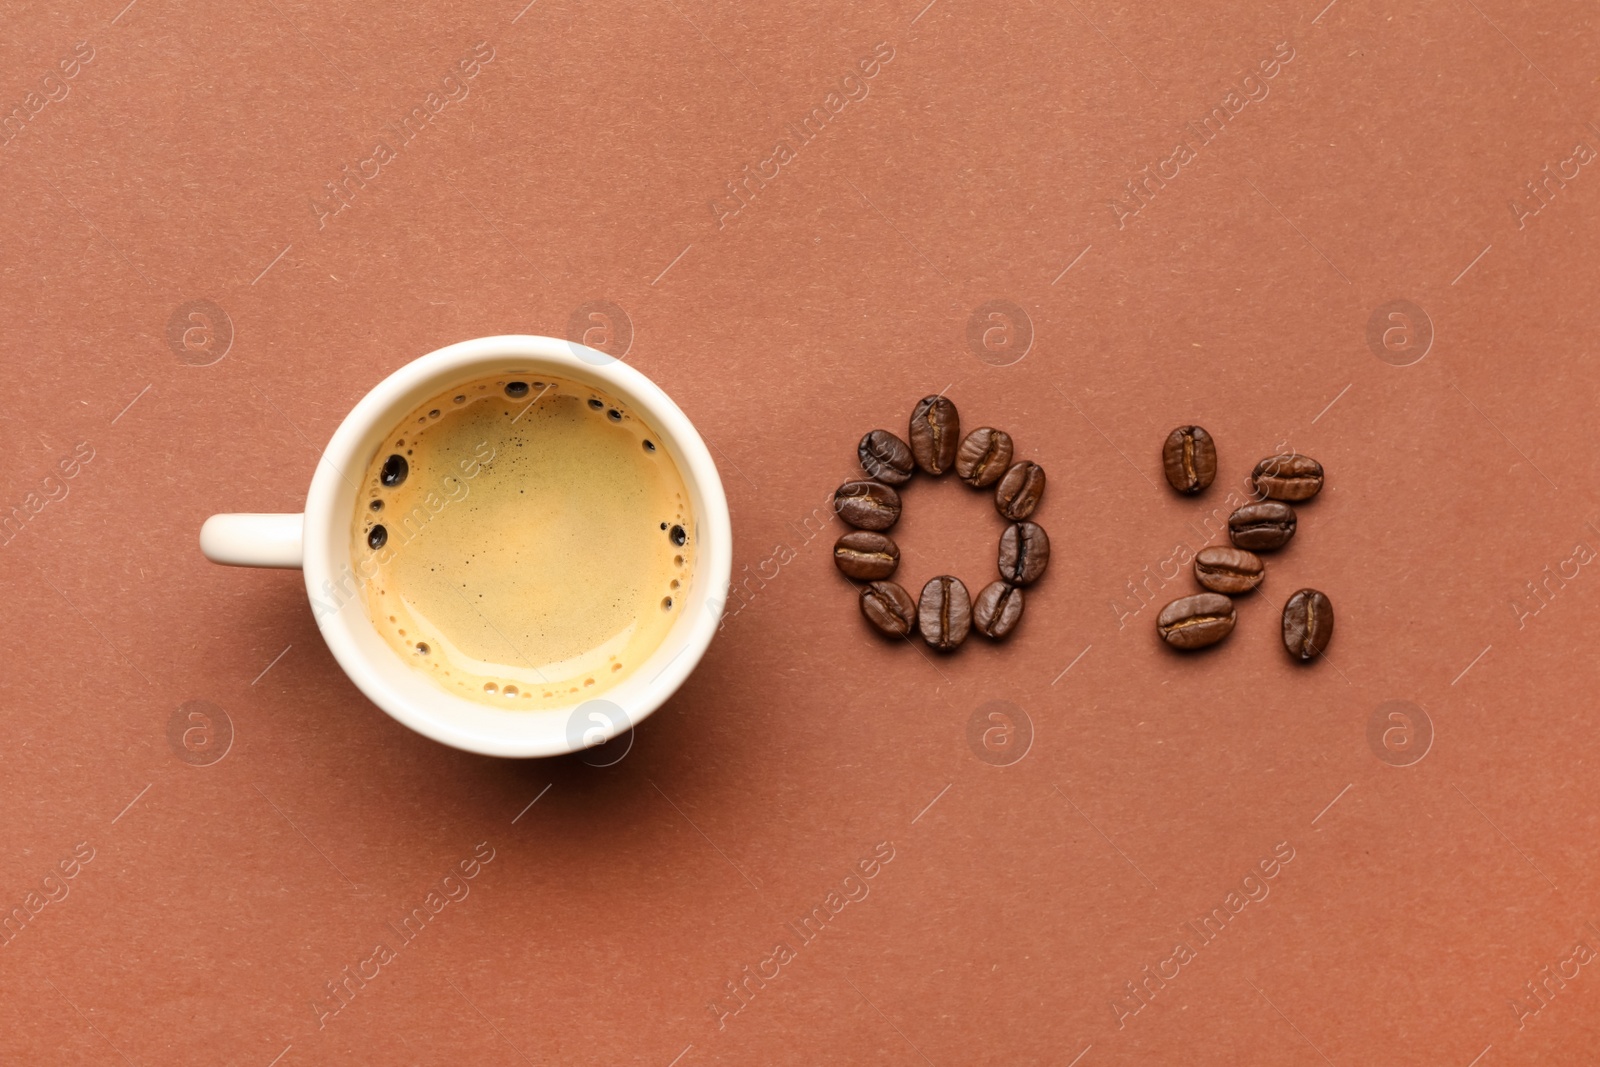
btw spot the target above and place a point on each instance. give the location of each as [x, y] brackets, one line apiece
[379, 671]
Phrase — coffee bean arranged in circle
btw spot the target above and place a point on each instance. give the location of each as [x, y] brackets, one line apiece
[935, 434]
[1196, 621]
[983, 457]
[1289, 477]
[944, 612]
[1222, 569]
[997, 610]
[889, 608]
[866, 556]
[1189, 458]
[1024, 553]
[1262, 527]
[1019, 490]
[1307, 624]
[887, 458]
[867, 505]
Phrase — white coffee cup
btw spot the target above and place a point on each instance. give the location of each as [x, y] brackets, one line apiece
[319, 543]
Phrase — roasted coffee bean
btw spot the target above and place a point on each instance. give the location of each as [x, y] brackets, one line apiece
[935, 434]
[1307, 624]
[867, 505]
[1019, 490]
[983, 457]
[886, 458]
[394, 471]
[889, 608]
[1259, 527]
[996, 611]
[866, 556]
[944, 612]
[1190, 459]
[1228, 570]
[1024, 553]
[1288, 477]
[1196, 621]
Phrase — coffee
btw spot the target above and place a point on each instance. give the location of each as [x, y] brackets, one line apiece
[889, 608]
[944, 612]
[1024, 553]
[1196, 621]
[866, 556]
[1189, 459]
[997, 610]
[1307, 624]
[935, 434]
[524, 541]
[886, 458]
[1262, 527]
[1291, 477]
[1019, 490]
[867, 505]
[1228, 570]
[983, 457]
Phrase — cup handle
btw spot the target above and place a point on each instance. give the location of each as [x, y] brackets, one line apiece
[253, 540]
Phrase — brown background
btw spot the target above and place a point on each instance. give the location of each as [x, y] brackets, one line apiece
[223, 895]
